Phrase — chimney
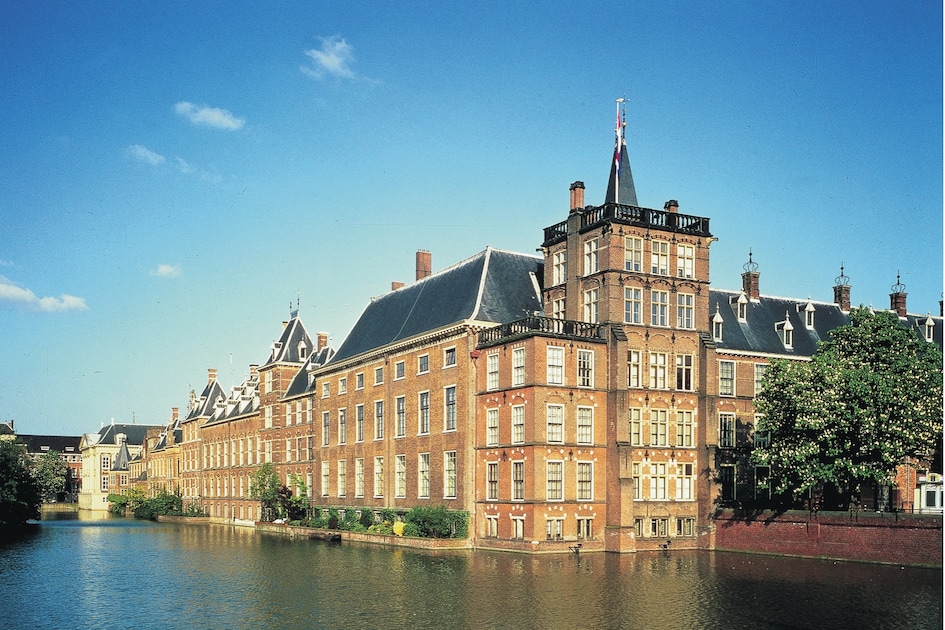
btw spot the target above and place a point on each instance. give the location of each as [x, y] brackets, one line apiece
[321, 340]
[424, 264]
[841, 290]
[396, 285]
[750, 278]
[897, 299]
[577, 196]
[253, 369]
[211, 374]
[175, 414]
[671, 206]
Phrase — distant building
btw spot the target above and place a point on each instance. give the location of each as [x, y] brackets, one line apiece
[68, 449]
[98, 451]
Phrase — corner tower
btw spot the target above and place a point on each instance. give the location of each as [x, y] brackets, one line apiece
[643, 274]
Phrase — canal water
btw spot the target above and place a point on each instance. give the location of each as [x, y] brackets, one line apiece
[120, 573]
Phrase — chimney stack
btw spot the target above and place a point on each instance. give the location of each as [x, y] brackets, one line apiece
[396, 285]
[211, 374]
[750, 279]
[577, 196]
[841, 291]
[897, 299]
[175, 414]
[671, 206]
[321, 341]
[424, 264]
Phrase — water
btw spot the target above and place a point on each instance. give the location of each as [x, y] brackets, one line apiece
[136, 574]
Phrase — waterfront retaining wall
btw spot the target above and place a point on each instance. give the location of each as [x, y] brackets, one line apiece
[904, 539]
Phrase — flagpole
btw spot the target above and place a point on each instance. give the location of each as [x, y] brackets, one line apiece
[617, 147]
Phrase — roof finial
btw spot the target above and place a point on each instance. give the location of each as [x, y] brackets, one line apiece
[842, 280]
[750, 266]
[898, 287]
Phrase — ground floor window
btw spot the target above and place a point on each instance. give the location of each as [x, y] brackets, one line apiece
[492, 526]
[684, 526]
[553, 528]
[658, 526]
[518, 528]
[585, 528]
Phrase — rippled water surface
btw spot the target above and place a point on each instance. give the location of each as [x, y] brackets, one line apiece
[133, 574]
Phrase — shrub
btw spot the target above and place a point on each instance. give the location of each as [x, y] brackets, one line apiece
[437, 522]
[367, 517]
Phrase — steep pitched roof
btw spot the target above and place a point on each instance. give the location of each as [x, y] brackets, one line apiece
[494, 286]
[202, 406]
[293, 346]
[122, 458]
[243, 400]
[620, 188]
[134, 433]
[43, 443]
[301, 382]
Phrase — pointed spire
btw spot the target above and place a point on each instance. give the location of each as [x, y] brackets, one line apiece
[620, 187]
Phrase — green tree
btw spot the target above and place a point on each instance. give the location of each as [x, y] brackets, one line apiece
[50, 472]
[869, 400]
[19, 493]
[264, 486]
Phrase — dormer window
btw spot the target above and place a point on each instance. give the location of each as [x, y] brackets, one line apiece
[303, 350]
[929, 325]
[717, 326]
[740, 306]
[785, 331]
[809, 316]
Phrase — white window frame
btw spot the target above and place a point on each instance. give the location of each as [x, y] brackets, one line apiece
[518, 367]
[554, 423]
[554, 480]
[585, 368]
[633, 254]
[555, 365]
[633, 305]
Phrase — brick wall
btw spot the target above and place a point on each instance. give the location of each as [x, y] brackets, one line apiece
[904, 539]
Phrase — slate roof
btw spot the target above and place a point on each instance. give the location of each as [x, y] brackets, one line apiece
[134, 433]
[493, 286]
[43, 443]
[243, 400]
[202, 406]
[288, 348]
[122, 458]
[758, 333]
[301, 382]
[624, 186]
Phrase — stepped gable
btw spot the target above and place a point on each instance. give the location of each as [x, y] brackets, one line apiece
[493, 286]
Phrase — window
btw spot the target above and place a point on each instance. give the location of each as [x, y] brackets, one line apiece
[559, 267]
[633, 254]
[636, 427]
[591, 297]
[742, 302]
[685, 261]
[424, 416]
[717, 327]
[553, 528]
[378, 419]
[557, 308]
[929, 325]
[809, 316]
[726, 378]
[684, 482]
[449, 475]
[423, 364]
[585, 528]
[659, 427]
[378, 476]
[684, 372]
[555, 422]
[423, 475]
[555, 365]
[492, 371]
[658, 483]
[400, 430]
[659, 527]
[658, 370]
[762, 483]
[591, 260]
[634, 368]
[585, 481]
[359, 423]
[492, 481]
[326, 427]
[343, 385]
[492, 427]
[518, 424]
[760, 369]
[449, 357]
[342, 426]
[585, 425]
[492, 526]
[727, 429]
[659, 258]
[398, 370]
[378, 375]
[400, 472]
[638, 527]
[342, 477]
[684, 428]
[106, 463]
[633, 305]
[685, 311]
[659, 308]
[685, 526]
[326, 387]
[359, 380]
[326, 477]
[359, 477]
[786, 332]
[554, 481]
[518, 527]
[518, 367]
[518, 481]
[762, 438]
[585, 368]
[449, 412]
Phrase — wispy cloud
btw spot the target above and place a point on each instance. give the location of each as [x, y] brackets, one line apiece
[166, 271]
[208, 116]
[12, 294]
[142, 153]
[334, 58]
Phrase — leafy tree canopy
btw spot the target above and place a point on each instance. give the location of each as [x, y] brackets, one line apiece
[867, 401]
[19, 492]
[50, 472]
[264, 486]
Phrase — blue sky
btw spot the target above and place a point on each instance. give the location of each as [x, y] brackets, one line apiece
[173, 176]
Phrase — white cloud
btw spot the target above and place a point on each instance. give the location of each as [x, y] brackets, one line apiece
[12, 294]
[333, 58]
[144, 154]
[208, 116]
[166, 271]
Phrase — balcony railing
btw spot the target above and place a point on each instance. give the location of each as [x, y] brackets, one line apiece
[539, 325]
[632, 215]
